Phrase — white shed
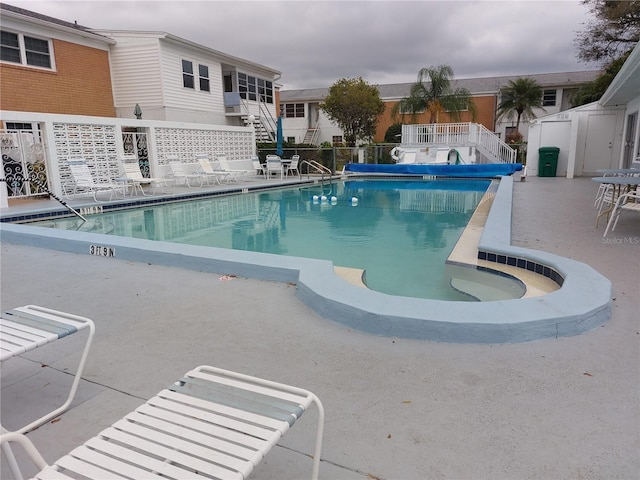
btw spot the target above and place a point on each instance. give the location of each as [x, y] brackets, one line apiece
[602, 134]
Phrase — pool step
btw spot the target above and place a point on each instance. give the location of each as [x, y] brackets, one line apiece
[465, 254]
[354, 276]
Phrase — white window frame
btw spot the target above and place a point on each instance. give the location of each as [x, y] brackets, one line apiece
[201, 78]
[23, 52]
[546, 97]
[294, 110]
[254, 88]
[190, 74]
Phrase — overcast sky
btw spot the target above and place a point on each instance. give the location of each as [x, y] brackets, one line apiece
[314, 44]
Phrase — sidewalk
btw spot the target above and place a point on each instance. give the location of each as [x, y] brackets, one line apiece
[396, 408]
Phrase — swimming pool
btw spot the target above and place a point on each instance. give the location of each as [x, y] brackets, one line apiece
[582, 303]
[399, 232]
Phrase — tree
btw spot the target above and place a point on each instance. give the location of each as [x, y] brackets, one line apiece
[614, 32]
[592, 91]
[435, 96]
[354, 106]
[520, 97]
[393, 133]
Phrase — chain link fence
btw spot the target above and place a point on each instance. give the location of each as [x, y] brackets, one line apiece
[335, 158]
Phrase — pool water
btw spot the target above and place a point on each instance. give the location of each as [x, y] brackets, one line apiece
[399, 231]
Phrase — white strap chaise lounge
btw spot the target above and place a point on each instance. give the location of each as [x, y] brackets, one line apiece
[212, 424]
[26, 328]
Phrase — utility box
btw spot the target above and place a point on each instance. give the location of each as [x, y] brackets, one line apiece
[548, 161]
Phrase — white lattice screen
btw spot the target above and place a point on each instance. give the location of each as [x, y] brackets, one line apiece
[95, 143]
[186, 143]
[98, 145]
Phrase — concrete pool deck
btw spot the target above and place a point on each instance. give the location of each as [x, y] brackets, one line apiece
[583, 302]
[396, 408]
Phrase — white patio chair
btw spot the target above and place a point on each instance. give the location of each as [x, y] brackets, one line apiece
[84, 181]
[293, 166]
[274, 165]
[212, 423]
[629, 201]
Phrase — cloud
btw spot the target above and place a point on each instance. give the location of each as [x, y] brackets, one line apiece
[316, 43]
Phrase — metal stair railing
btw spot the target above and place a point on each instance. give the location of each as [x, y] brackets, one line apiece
[265, 122]
[34, 179]
[318, 167]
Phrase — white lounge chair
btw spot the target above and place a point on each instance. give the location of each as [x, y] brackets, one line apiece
[235, 173]
[207, 169]
[259, 167]
[26, 328]
[212, 423]
[84, 181]
[187, 173]
[274, 165]
[133, 175]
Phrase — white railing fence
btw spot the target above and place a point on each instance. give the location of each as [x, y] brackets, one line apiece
[459, 134]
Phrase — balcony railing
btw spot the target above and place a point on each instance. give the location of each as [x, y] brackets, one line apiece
[459, 134]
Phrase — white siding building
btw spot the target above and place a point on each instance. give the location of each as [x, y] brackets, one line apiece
[174, 79]
[305, 122]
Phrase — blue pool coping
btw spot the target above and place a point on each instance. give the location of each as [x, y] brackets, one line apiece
[583, 302]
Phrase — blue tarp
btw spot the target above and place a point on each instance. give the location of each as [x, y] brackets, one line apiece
[395, 184]
[461, 171]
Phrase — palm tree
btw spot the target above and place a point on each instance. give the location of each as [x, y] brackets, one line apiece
[436, 95]
[520, 97]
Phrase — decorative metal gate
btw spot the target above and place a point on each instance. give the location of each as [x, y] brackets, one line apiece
[136, 143]
[23, 163]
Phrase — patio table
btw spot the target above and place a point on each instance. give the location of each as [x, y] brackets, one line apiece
[618, 171]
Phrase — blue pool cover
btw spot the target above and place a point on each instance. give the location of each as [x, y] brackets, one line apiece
[489, 170]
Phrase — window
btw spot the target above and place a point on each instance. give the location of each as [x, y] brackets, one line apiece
[19, 126]
[203, 71]
[253, 88]
[24, 50]
[187, 74]
[549, 98]
[509, 131]
[294, 110]
[265, 90]
[291, 139]
[406, 110]
[336, 140]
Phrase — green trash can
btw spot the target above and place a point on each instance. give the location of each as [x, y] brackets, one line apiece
[548, 161]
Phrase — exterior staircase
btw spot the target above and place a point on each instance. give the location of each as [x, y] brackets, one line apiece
[263, 132]
[441, 137]
[311, 136]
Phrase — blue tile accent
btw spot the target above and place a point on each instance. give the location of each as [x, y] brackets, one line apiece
[524, 264]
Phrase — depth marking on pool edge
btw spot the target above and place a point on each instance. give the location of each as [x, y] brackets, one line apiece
[91, 210]
[100, 251]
